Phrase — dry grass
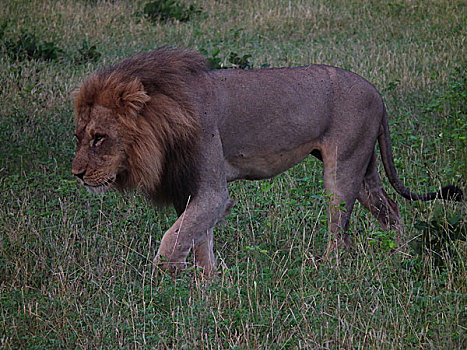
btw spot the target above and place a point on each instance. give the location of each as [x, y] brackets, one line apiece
[76, 271]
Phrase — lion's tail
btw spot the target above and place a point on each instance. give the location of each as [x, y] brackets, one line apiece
[449, 192]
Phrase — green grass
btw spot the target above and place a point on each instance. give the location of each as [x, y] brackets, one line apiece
[76, 270]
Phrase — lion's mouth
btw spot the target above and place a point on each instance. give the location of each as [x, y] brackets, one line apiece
[99, 188]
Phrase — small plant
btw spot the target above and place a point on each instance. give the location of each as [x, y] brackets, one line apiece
[27, 46]
[87, 53]
[164, 10]
[439, 235]
[215, 62]
[385, 240]
[240, 62]
[233, 61]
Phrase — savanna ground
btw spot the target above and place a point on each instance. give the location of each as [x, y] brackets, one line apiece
[76, 270]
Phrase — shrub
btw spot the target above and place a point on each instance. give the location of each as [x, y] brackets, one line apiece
[233, 61]
[439, 237]
[27, 46]
[164, 10]
[87, 53]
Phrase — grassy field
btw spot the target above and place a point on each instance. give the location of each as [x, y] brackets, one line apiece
[76, 270]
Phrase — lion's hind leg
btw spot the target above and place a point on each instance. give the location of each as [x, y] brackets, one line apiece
[339, 211]
[342, 181]
[373, 197]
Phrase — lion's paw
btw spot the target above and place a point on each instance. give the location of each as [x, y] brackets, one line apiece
[173, 267]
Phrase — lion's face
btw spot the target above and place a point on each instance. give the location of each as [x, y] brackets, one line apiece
[100, 157]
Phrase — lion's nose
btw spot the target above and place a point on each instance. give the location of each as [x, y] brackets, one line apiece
[79, 174]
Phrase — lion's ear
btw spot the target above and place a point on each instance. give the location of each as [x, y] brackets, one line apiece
[132, 98]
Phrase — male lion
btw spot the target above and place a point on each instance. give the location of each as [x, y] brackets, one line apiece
[163, 123]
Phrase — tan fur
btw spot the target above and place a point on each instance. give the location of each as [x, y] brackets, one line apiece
[162, 123]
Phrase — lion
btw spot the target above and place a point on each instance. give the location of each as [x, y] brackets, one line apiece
[165, 124]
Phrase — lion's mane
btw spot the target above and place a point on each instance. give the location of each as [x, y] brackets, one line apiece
[152, 104]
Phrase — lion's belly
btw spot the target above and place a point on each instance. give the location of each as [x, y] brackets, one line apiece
[261, 165]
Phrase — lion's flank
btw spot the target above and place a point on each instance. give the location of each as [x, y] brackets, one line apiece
[148, 92]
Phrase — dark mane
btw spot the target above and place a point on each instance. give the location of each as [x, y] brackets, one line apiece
[162, 70]
[166, 129]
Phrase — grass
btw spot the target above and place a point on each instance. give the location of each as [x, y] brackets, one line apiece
[76, 270]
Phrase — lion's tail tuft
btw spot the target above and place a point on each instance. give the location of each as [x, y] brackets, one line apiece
[450, 192]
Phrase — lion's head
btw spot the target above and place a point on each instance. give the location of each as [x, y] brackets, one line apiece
[136, 128]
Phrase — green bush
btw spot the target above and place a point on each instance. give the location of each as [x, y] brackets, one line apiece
[164, 10]
[87, 53]
[27, 46]
[233, 60]
[439, 236]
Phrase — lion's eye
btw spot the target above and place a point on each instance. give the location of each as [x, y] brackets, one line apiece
[98, 139]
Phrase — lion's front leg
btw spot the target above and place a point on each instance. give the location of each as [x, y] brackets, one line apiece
[172, 253]
[204, 254]
[193, 229]
[173, 250]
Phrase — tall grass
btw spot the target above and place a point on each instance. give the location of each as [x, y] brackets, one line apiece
[76, 270]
